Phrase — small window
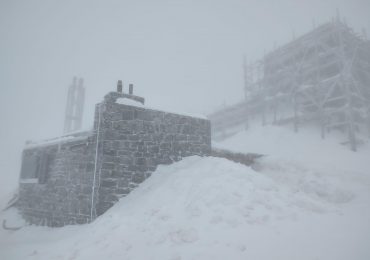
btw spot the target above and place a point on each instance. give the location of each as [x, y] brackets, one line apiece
[43, 168]
[30, 165]
[35, 167]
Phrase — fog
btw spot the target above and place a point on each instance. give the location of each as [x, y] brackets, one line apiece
[180, 55]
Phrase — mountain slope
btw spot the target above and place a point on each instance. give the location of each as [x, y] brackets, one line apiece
[291, 205]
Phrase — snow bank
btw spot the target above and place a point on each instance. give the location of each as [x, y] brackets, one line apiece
[211, 208]
[306, 199]
[304, 148]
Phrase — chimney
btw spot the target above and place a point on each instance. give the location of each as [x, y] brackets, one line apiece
[119, 86]
[131, 89]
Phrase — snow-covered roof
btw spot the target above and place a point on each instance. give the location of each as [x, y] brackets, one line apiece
[71, 137]
[134, 103]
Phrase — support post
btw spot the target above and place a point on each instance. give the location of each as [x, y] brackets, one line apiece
[74, 106]
[131, 89]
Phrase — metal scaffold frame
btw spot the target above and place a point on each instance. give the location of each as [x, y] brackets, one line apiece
[322, 76]
[74, 107]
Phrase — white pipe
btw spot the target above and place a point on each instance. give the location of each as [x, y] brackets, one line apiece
[96, 163]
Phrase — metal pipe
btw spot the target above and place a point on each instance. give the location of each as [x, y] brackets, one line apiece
[119, 86]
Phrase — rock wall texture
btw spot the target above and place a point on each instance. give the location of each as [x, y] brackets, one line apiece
[136, 140]
[85, 177]
[64, 195]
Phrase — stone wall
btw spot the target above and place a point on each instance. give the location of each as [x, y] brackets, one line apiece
[64, 197]
[86, 177]
[135, 140]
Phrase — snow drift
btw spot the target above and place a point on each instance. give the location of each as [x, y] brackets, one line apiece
[290, 205]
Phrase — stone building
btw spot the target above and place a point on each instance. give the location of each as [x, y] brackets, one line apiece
[75, 178]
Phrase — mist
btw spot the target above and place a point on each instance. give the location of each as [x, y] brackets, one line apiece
[180, 55]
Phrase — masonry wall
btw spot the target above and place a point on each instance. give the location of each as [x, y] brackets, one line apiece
[65, 197]
[89, 175]
[136, 140]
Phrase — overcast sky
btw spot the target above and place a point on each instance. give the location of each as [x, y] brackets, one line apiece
[180, 55]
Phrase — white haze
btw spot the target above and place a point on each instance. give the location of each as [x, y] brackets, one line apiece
[180, 55]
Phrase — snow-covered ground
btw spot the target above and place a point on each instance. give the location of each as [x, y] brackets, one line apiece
[306, 199]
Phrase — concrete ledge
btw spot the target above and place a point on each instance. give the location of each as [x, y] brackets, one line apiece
[246, 159]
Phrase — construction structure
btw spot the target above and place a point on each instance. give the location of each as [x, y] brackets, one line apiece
[74, 107]
[321, 77]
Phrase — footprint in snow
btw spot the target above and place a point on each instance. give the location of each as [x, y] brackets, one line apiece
[182, 236]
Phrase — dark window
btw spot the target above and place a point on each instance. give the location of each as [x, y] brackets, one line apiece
[35, 167]
[30, 164]
[43, 167]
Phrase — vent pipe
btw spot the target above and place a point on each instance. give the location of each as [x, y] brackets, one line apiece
[119, 86]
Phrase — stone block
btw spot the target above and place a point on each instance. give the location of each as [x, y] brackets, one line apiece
[108, 165]
[127, 115]
[107, 183]
[138, 177]
[140, 161]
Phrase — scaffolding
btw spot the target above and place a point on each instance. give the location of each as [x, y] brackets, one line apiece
[74, 107]
[322, 76]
